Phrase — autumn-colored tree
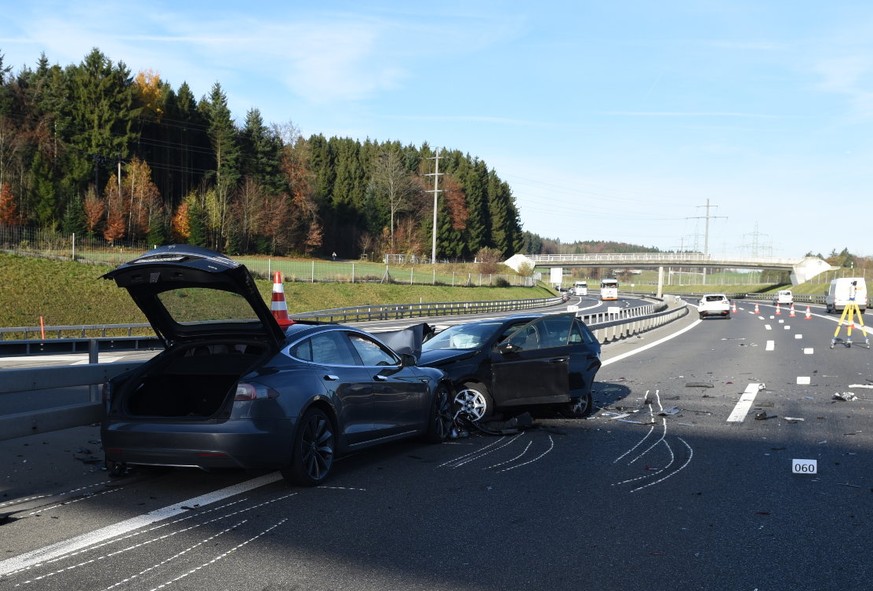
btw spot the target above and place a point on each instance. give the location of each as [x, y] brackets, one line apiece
[180, 224]
[143, 198]
[115, 211]
[94, 208]
[8, 208]
[314, 238]
[150, 92]
[455, 203]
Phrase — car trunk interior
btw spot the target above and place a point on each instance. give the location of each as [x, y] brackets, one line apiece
[195, 382]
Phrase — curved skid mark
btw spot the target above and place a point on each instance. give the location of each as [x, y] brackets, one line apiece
[679, 469]
[509, 461]
[651, 447]
[472, 453]
[481, 453]
[531, 461]
[655, 472]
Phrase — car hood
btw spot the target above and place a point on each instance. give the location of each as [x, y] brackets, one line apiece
[190, 293]
[439, 357]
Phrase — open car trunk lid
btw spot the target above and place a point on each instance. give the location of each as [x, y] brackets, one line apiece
[189, 294]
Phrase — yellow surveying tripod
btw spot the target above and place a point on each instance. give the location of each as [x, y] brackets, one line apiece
[847, 316]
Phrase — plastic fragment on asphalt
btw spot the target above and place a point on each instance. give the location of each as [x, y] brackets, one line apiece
[671, 411]
[845, 396]
[794, 419]
[699, 385]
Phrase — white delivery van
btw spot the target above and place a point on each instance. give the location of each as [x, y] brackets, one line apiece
[580, 288]
[784, 296]
[845, 289]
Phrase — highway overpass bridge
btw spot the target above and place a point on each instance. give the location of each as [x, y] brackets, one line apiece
[800, 270]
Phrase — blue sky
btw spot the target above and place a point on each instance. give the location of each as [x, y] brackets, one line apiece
[609, 120]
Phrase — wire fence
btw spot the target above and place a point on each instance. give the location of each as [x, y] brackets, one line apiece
[46, 243]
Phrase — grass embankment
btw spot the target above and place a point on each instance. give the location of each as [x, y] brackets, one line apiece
[67, 293]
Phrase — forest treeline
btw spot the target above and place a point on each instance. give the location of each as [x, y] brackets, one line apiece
[93, 149]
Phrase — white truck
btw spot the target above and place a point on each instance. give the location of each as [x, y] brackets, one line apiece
[843, 291]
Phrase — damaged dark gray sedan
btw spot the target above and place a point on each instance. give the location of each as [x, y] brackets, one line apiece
[232, 389]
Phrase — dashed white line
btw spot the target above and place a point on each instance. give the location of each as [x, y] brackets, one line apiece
[746, 400]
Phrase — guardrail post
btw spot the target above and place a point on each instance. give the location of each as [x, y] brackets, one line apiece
[93, 353]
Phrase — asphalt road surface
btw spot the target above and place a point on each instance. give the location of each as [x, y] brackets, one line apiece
[718, 458]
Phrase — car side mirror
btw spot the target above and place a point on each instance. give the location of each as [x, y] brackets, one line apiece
[507, 347]
[408, 360]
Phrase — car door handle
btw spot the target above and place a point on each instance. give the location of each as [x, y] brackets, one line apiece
[558, 360]
[380, 378]
[331, 377]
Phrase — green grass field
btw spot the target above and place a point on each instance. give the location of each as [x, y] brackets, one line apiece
[68, 293]
[71, 293]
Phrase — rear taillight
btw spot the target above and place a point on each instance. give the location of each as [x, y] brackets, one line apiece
[246, 391]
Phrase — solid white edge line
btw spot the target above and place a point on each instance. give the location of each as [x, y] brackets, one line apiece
[52, 551]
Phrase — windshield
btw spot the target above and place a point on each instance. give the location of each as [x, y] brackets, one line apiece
[463, 336]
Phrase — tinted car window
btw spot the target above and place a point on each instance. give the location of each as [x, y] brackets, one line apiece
[371, 352]
[330, 348]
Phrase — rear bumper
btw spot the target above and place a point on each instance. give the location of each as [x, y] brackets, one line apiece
[231, 444]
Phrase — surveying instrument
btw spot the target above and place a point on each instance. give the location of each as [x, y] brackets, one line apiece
[848, 317]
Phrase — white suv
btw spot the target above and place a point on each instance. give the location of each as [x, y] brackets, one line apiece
[714, 304]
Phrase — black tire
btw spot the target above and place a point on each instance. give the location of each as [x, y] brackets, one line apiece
[313, 451]
[474, 402]
[579, 408]
[440, 421]
[116, 469]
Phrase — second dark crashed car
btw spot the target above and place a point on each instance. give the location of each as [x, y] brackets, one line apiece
[516, 362]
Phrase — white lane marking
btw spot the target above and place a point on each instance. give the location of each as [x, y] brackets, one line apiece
[771, 346]
[650, 345]
[95, 537]
[808, 350]
[768, 327]
[802, 380]
[798, 336]
[745, 403]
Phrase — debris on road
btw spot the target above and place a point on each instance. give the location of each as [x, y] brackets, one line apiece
[845, 396]
[699, 385]
[794, 419]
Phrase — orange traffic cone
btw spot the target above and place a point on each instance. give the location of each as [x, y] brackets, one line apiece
[757, 311]
[278, 306]
[791, 311]
[778, 311]
[734, 307]
[808, 313]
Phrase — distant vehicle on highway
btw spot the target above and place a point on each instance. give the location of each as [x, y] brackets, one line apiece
[783, 296]
[518, 361]
[609, 290]
[844, 290]
[714, 304]
[580, 288]
[233, 389]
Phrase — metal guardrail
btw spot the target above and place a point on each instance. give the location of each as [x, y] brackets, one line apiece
[72, 338]
[607, 327]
